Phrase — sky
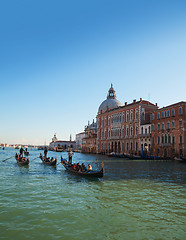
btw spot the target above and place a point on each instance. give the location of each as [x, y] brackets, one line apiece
[58, 59]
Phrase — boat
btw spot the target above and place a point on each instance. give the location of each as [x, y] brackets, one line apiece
[92, 173]
[48, 161]
[131, 156]
[21, 160]
[183, 159]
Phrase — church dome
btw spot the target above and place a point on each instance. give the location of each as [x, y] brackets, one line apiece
[110, 103]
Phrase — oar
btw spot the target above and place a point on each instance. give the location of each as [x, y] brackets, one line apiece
[35, 158]
[7, 159]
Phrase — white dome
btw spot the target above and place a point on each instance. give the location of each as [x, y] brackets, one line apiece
[110, 103]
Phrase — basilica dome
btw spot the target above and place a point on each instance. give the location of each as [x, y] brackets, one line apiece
[110, 103]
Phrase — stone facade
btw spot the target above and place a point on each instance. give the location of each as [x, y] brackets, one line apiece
[89, 143]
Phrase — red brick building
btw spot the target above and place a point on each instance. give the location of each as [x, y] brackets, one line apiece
[169, 131]
[118, 125]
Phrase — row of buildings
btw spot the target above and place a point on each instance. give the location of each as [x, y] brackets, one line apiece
[138, 128]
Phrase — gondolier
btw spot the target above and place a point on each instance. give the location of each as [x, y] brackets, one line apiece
[45, 152]
[70, 157]
[21, 152]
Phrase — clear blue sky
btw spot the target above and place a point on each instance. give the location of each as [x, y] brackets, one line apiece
[58, 59]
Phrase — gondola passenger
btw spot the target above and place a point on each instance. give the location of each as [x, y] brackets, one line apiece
[84, 169]
[89, 167]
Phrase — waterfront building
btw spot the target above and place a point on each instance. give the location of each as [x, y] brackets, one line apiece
[145, 139]
[79, 138]
[89, 142]
[61, 144]
[118, 125]
[169, 131]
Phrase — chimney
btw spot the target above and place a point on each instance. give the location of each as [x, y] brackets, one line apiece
[134, 101]
[125, 103]
[140, 99]
[156, 104]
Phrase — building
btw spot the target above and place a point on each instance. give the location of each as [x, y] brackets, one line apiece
[61, 144]
[89, 142]
[118, 125]
[169, 131]
[145, 139]
[79, 138]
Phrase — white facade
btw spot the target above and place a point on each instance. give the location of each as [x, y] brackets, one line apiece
[79, 138]
[145, 138]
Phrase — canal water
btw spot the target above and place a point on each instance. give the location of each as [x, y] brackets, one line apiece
[135, 200]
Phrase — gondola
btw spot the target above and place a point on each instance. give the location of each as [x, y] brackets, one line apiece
[21, 160]
[48, 161]
[93, 174]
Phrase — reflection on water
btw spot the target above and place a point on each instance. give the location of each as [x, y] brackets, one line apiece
[135, 199]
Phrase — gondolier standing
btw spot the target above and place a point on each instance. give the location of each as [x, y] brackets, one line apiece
[70, 157]
[21, 152]
[45, 152]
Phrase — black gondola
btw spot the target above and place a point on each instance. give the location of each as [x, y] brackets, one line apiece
[96, 174]
[21, 160]
[48, 161]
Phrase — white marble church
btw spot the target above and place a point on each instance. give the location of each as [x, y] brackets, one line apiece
[56, 144]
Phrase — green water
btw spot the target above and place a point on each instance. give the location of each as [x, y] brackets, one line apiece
[134, 200]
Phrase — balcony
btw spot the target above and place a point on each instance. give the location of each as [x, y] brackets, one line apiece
[165, 144]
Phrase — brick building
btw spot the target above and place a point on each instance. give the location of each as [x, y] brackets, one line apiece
[169, 131]
[118, 125]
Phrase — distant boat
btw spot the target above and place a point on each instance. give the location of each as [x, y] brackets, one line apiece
[48, 161]
[183, 159]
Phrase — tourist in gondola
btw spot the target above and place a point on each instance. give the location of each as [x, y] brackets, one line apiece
[79, 167]
[89, 167]
[83, 168]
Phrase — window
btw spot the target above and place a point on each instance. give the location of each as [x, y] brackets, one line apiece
[158, 115]
[165, 138]
[152, 127]
[158, 140]
[127, 116]
[168, 113]
[162, 139]
[173, 139]
[173, 112]
[131, 115]
[158, 126]
[173, 124]
[180, 110]
[142, 130]
[163, 114]
[149, 129]
[163, 126]
[168, 125]
[153, 116]
[131, 131]
[123, 117]
[109, 121]
[136, 114]
[180, 139]
[105, 121]
[136, 129]
[180, 123]
[169, 139]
